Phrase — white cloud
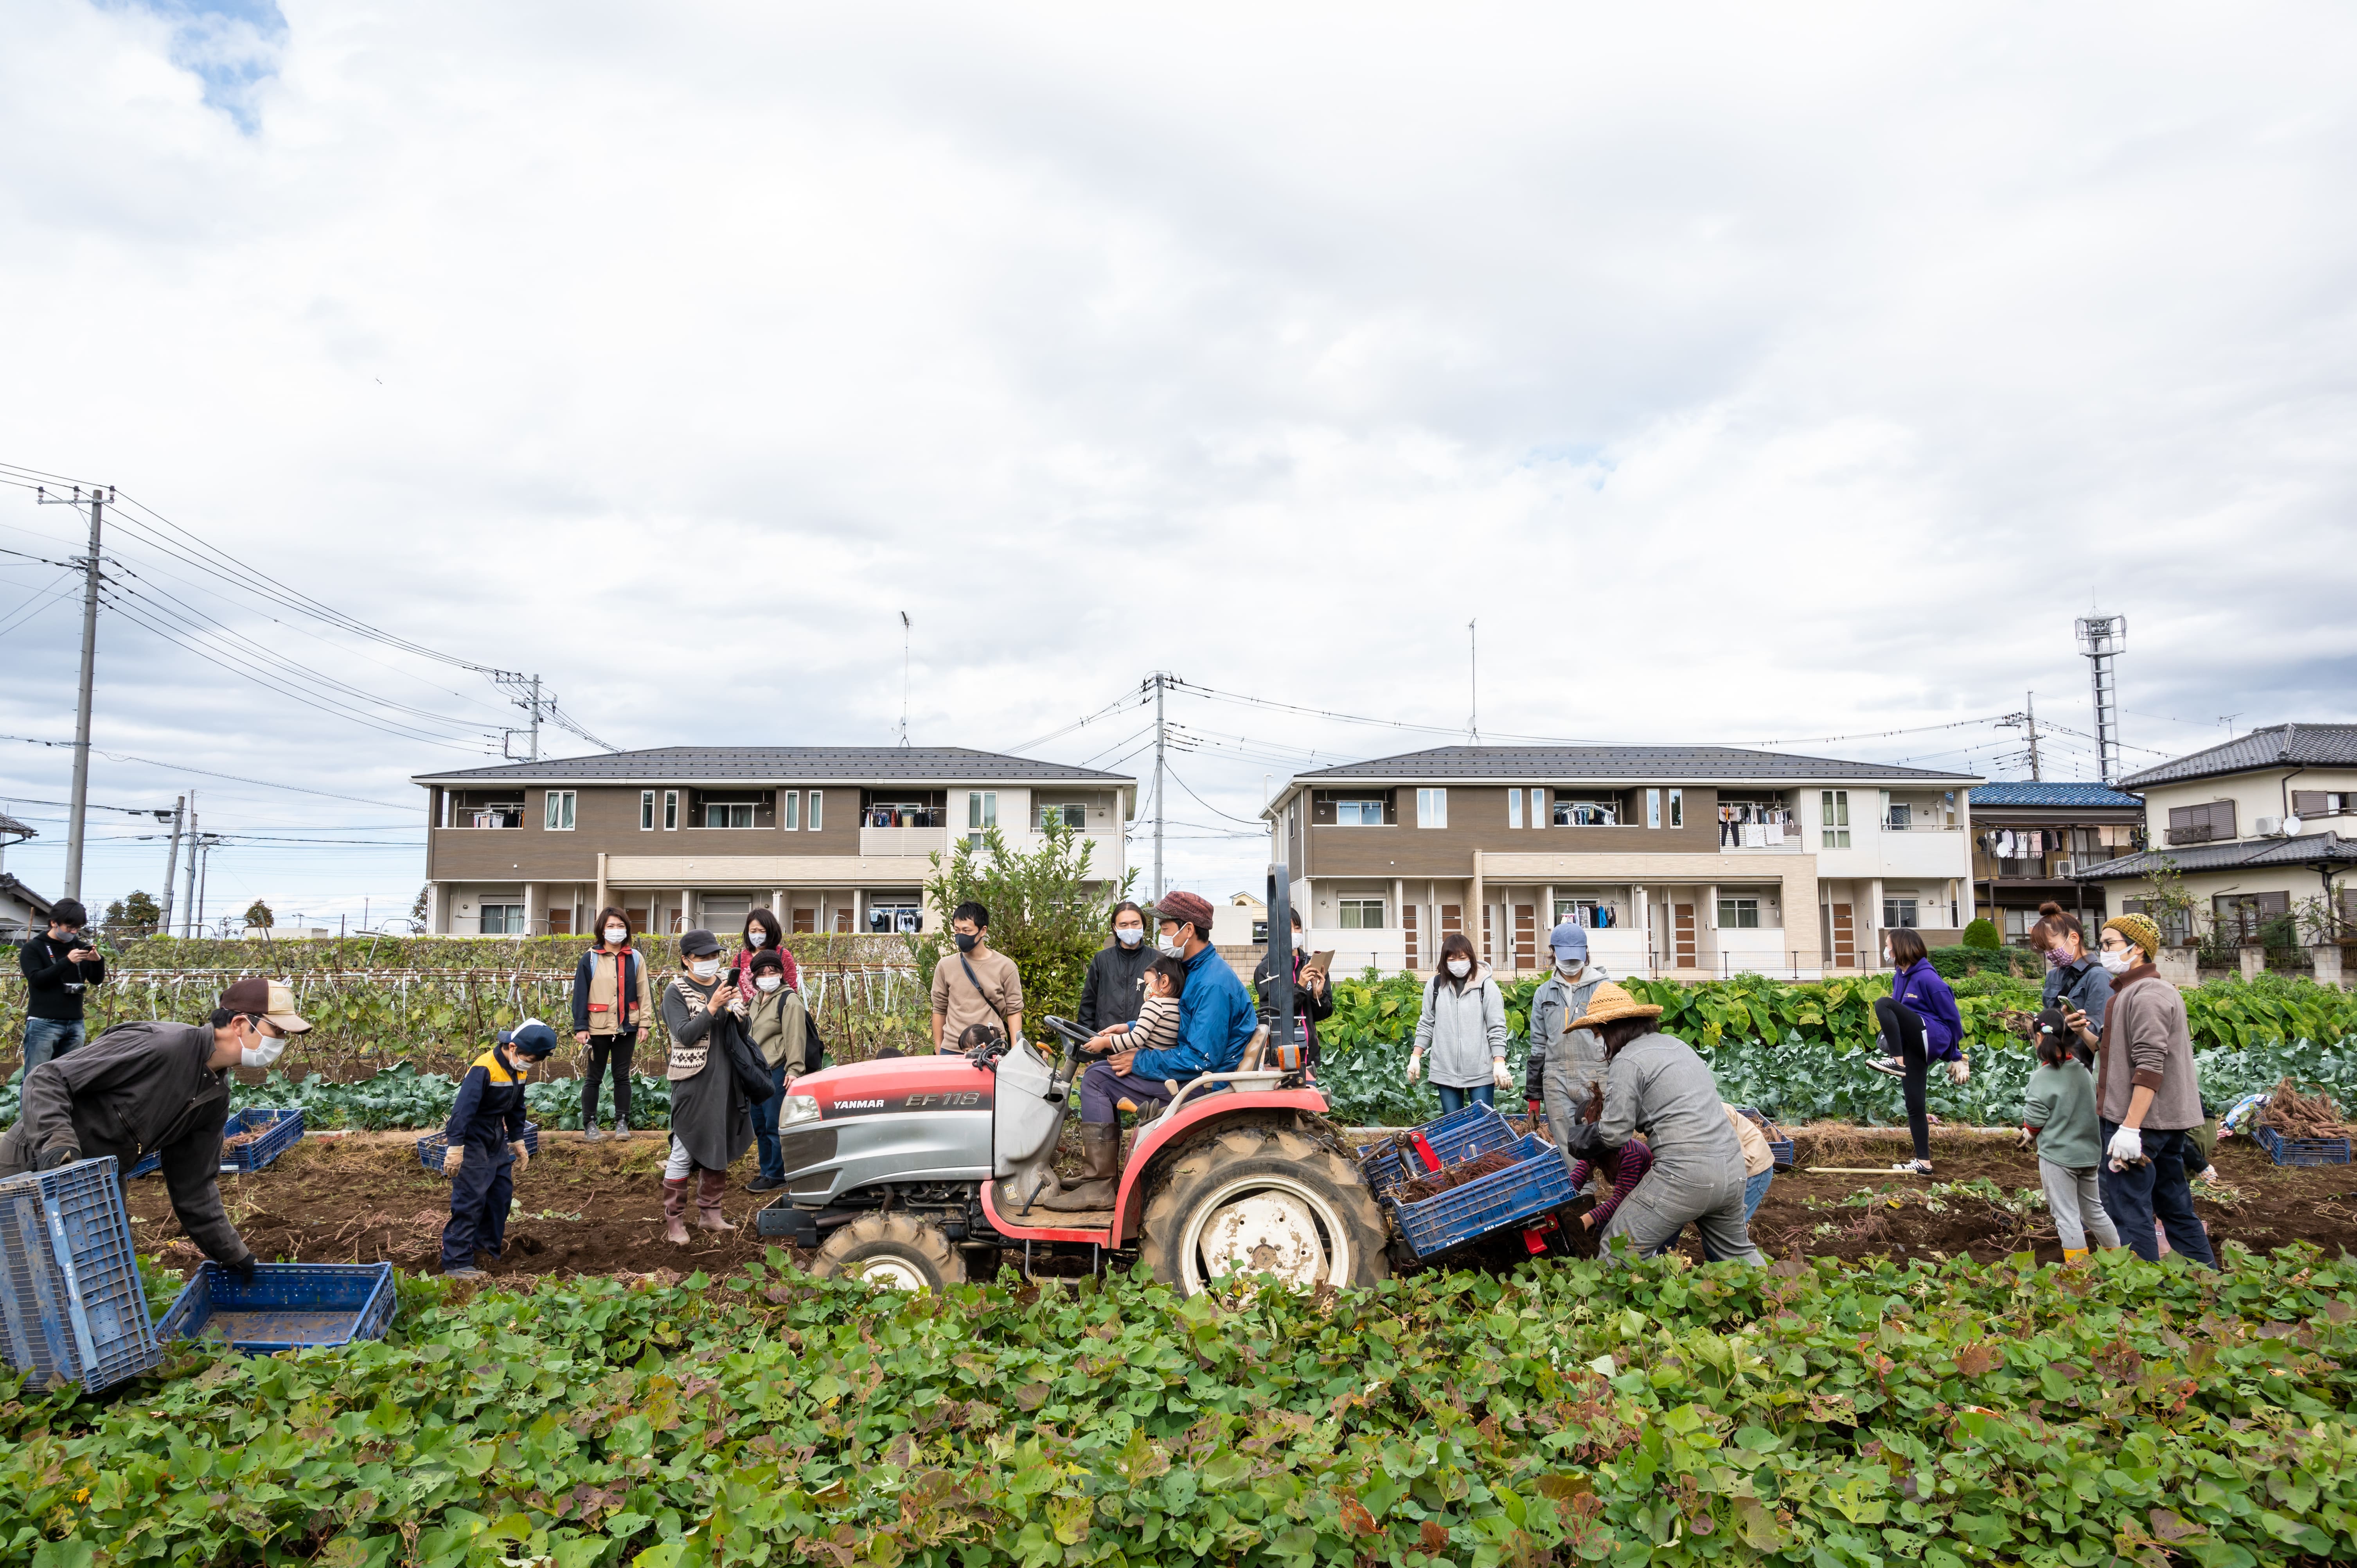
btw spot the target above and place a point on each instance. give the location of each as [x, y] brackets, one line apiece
[1746, 373]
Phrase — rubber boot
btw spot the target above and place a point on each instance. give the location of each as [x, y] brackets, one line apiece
[2071, 1255]
[711, 1187]
[675, 1209]
[1100, 1163]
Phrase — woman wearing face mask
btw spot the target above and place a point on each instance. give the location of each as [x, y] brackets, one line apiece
[1577, 1055]
[1463, 1025]
[611, 1002]
[711, 1122]
[762, 934]
[1115, 988]
[2074, 980]
[1313, 994]
[782, 1030]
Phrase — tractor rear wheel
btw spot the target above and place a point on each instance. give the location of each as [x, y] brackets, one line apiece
[1260, 1199]
[892, 1250]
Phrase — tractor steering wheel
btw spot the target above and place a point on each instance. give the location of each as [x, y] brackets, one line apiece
[1075, 1036]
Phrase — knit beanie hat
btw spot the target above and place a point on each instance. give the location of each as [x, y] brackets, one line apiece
[2139, 930]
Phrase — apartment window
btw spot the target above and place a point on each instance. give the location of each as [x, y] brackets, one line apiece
[728, 813]
[1538, 808]
[1361, 914]
[503, 921]
[1514, 807]
[1677, 807]
[817, 811]
[1572, 814]
[1743, 914]
[559, 817]
[899, 917]
[790, 811]
[981, 809]
[1653, 808]
[2202, 824]
[1898, 912]
[1071, 813]
[646, 810]
[1897, 818]
[1591, 913]
[1358, 808]
[2242, 918]
[2309, 804]
[1432, 808]
[1833, 818]
[671, 810]
[1358, 813]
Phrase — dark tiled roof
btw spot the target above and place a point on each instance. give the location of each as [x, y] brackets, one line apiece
[2308, 849]
[1669, 764]
[2278, 745]
[780, 764]
[12, 829]
[2082, 795]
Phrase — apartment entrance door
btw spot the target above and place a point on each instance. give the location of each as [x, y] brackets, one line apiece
[1407, 928]
[1845, 938]
[1682, 927]
[1526, 920]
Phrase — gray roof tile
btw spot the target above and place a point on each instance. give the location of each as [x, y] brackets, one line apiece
[2308, 849]
[2008, 793]
[2278, 745]
[780, 764]
[1670, 764]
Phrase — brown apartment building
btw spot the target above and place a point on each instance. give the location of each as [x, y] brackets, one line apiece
[1677, 858]
[833, 838]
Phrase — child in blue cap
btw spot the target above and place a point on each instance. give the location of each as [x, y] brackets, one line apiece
[486, 1149]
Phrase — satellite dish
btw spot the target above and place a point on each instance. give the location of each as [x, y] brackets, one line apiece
[2291, 827]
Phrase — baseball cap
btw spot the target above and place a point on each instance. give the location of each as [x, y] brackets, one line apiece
[698, 943]
[1569, 940]
[270, 998]
[531, 1039]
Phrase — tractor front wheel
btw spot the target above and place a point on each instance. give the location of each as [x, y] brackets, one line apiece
[1257, 1199]
[892, 1250]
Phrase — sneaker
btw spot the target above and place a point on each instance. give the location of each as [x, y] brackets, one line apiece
[1913, 1167]
[765, 1184]
[621, 1132]
[591, 1134]
[1885, 1066]
[465, 1271]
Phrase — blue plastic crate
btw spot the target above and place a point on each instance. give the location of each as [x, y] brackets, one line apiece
[1459, 1135]
[1780, 1143]
[431, 1147]
[2301, 1151]
[1539, 1180]
[71, 1306]
[287, 1306]
[281, 1129]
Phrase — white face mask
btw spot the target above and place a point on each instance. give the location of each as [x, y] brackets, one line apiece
[1571, 965]
[615, 936]
[755, 936]
[1172, 947]
[262, 1050]
[2118, 962]
[704, 968]
[1129, 936]
[768, 983]
[1460, 967]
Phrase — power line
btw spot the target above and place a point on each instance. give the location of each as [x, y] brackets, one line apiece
[209, 773]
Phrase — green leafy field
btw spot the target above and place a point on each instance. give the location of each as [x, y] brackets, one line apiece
[1823, 1414]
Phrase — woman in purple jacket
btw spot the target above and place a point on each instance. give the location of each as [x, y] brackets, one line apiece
[1920, 1025]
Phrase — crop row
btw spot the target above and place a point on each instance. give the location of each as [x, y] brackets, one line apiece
[1809, 1413]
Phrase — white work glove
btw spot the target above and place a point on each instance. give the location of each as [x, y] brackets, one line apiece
[522, 1156]
[1958, 1072]
[1501, 1074]
[2128, 1148]
[1415, 1065]
[452, 1159]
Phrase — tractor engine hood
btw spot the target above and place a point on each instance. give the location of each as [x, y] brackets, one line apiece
[896, 1085]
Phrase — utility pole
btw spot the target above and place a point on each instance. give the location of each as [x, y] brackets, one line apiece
[904, 680]
[1161, 682]
[2101, 639]
[532, 704]
[79, 811]
[203, 849]
[1473, 648]
[2029, 715]
[172, 863]
[188, 905]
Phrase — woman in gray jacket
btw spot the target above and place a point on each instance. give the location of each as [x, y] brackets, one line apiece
[1463, 1025]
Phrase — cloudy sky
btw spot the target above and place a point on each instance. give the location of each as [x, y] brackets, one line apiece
[1747, 374]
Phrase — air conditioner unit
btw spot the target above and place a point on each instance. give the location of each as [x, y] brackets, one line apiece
[2271, 827]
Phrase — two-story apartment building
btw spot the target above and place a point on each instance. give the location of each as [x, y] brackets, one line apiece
[1677, 858]
[2032, 838]
[833, 838]
[2255, 826]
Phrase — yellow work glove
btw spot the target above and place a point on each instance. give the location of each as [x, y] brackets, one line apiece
[522, 1156]
[452, 1159]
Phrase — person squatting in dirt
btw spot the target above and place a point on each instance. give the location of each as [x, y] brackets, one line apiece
[1216, 1021]
[611, 1003]
[485, 1150]
[1656, 1084]
[157, 1088]
[711, 1108]
[2058, 1120]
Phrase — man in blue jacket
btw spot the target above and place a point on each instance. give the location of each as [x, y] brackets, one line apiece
[1216, 1021]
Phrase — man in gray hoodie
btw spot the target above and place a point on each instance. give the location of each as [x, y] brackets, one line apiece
[1577, 1054]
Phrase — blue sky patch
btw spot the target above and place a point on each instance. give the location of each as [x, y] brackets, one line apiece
[231, 46]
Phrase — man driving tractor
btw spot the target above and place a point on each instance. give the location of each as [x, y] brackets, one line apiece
[1216, 1021]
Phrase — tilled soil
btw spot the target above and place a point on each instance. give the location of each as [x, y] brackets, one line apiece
[597, 1207]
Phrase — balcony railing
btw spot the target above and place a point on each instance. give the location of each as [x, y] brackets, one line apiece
[489, 817]
[903, 841]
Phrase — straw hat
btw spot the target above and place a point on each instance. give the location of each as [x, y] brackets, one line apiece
[1608, 1001]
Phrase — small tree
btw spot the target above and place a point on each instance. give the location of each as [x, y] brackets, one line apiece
[417, 909]
[257, 914]
[1982, 933]
[1047, 912]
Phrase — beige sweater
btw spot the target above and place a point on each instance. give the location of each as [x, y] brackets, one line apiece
[2145, 1045]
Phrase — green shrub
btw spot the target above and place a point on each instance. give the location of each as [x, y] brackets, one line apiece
[1982, 934]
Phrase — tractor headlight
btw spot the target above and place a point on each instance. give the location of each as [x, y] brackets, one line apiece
[799, 1108]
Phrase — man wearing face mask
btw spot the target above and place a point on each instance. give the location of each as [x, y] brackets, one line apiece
[975, 984]
[1115, 991]
[162, 1088]
[1577, 1054]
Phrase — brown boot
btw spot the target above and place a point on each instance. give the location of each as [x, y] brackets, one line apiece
[676, 1211]
[711, 1187]
[1093, 1189]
